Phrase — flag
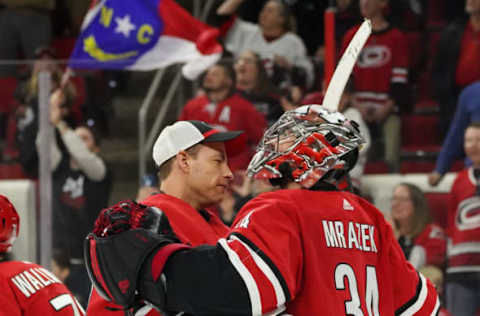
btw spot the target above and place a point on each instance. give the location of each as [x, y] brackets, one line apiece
[144, 35]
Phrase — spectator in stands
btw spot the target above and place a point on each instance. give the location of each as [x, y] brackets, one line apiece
[467, 111]
[27, 111]
[25, 24]
[457, 61]
[381, 79]
[347, 15]
[81, 183]
[272, 38]
[305, 14]
[422, 242]
[81, 179]
[62, 268]
[291, 98]
[221, 107]
[255, 86]
[463, 230]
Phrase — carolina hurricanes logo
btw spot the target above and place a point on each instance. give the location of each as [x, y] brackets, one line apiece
[468, 214]
[374, 56]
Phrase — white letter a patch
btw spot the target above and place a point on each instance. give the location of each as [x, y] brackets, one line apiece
[347, 206]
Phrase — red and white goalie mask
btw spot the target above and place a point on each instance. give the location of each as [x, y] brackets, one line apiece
[312, 141]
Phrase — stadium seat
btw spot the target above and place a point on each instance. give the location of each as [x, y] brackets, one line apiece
[419, 132]
[438, 203]
[11, 171]
[7, 90]
[425, 166]
[416, 166]
[376, 167]
[425, 104]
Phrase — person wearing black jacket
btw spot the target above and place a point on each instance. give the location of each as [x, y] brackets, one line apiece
[456, 62]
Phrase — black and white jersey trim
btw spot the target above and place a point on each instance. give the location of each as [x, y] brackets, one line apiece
[267, 268]
[269, 262]
[416, 302]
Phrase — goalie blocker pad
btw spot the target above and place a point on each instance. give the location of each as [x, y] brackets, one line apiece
[114, 265]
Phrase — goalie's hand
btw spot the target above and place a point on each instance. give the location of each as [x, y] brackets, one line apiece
[119, 254]
[127, 215]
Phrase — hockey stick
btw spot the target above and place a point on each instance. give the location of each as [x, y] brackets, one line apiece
[345, 66]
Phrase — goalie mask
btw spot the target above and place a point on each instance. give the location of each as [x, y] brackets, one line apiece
[306, 145]
[9, 224]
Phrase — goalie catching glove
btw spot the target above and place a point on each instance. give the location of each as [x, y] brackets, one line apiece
[127, 215]
[125, 254]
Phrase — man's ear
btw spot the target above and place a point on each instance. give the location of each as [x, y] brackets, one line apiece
[182, 159]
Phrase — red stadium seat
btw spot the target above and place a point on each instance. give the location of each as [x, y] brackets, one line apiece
[419, 132]
[417, 166]
[7, 90]
[426, 103]
[375, 167]
[11, 171]
[438, 203]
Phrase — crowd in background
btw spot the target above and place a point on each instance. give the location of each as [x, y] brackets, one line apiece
[273, 62]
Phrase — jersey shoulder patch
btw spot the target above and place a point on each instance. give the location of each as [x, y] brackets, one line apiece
[347, 206]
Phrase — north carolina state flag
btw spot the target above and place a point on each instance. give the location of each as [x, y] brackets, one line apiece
[144, 35]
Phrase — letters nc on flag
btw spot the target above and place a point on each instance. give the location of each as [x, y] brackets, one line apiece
[144, 35]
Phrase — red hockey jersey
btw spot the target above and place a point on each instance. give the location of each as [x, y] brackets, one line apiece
[323, 253]
[384, 60]
[29, 289]
[463, 227]
[187, 224]
[429, 247]
[233, 114]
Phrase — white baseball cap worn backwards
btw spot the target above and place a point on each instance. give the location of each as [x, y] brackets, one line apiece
[183, 135]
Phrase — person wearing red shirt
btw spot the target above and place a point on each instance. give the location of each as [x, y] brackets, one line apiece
[308, 249]
[226, 110]
[380, 79]
[463, 229]
[27, 288]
